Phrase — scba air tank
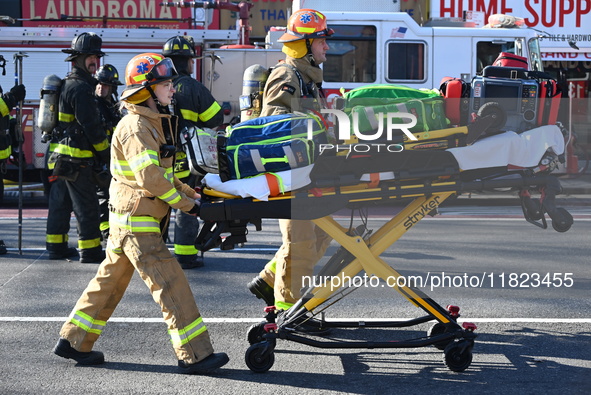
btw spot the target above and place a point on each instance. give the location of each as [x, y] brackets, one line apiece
[48, 106]
[253, 84]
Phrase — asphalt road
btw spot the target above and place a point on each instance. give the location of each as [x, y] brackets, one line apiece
[534, 337]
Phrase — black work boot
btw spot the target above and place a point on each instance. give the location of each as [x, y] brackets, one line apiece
[206, 366]
[92, 255]
[262, 290]
[190, 261]
[65, 350]
[60, 251]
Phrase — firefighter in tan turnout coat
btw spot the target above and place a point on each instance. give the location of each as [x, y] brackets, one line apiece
[143, 191]
[295, 85]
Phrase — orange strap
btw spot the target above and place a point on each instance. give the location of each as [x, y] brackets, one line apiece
[317, 192]
[273, 185]
[374, 180]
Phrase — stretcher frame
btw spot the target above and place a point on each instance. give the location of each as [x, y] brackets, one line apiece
[425, 194]
[424, 174]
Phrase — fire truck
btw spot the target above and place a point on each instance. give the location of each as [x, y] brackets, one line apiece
[42, 56]
[367, 48]
[383, 48]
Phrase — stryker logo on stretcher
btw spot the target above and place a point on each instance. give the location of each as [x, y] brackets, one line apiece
[421, 212]
[345, 125]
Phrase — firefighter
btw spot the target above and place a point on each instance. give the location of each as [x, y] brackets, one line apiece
[195, 107]
[106, 93]
[295, 85]
[143, 191]
[8, 138]
[78, 143]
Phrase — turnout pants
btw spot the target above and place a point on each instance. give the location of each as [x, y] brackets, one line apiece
[148, 255]
[186, 228]
[102, 194]
[78, 196]
[303, 244]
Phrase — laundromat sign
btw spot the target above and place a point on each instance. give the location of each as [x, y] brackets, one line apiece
[118, 13]
[563, 20]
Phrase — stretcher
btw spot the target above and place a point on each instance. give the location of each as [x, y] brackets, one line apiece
[421, 179]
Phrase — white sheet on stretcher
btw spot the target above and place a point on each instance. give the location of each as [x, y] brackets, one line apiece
[509, 148]
[257, 187]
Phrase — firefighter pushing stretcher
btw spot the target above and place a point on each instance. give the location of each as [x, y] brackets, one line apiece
[143, 191]
[295, 85]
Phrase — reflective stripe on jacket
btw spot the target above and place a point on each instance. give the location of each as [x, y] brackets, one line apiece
[79, 118]
[195, 104]
[143, 187]
[5, 147]
[4, 110]
[196, 107]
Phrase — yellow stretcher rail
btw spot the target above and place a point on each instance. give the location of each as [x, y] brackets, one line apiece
[367, 252]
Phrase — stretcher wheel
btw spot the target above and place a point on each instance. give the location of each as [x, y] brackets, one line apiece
[256, 361]
[458, 356]
[438, 329]
[561, 220]
[534, 209]
[497, 112]
[255, 333]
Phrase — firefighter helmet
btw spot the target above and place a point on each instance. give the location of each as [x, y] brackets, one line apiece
[306, 24]
[179, 46]
[302, 28]
[108, 75]
[85, 44]
[143, 71]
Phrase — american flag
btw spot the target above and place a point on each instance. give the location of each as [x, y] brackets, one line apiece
[398, 32]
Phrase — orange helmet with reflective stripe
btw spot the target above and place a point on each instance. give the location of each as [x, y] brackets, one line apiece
[143, 71]
[305, 24]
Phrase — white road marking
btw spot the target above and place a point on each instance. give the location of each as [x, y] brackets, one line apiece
[252, 320]
[237, 249]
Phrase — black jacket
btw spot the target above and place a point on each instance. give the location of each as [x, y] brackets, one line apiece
[110, 115]
[84, 134]
[195, 104]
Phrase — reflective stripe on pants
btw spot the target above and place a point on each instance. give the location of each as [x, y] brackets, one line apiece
[302, 247]
[147, 254]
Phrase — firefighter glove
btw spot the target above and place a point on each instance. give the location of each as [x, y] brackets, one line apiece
[15, 95]
[194, 210]
[105, 157]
